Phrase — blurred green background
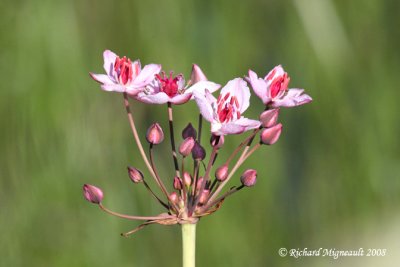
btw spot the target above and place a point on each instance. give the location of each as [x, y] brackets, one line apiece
[332, 180]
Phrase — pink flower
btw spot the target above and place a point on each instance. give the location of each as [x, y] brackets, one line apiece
[125, 76]
[225, 113]
[171, 89]
[273, 89]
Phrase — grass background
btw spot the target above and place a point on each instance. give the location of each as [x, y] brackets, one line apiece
[332, 180]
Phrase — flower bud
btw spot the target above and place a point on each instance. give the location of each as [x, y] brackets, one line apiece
[92, 193]
[155, 134]
[269, 117]
[198, 152]
[204, 196]
[187, 179]
[222, 173]
[135, 175]
[177, 183]
[199, 183]
[270, 136]
[214, 138]
[197, 74]
[186, 147]
[173, 197]
[189, 131]
[249, 177]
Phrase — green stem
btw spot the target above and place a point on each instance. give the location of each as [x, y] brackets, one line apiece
[189, 244]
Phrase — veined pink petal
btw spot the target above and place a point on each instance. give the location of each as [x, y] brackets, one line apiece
[180, 99]
[146, 75]
[239, 126]
[158, 98]
[205, 101]
[109, 59]
[294, 97]
[113, 87]
[259, 86]
[101, 78]
[136, 68]
[200, 87]
[238, 88]
[275, 72]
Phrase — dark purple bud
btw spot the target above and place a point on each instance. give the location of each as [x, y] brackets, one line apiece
[92, 193]
[186, 147]
[269, 117]
[177, 183]
[214, 138]
[135, 175]
[189, 131]
[222, 173]
[204, 196]
[198, 152]
[249, 177]
[173, 197]
[155, 134]
[187, 179]
[270, 136]
[197, 74]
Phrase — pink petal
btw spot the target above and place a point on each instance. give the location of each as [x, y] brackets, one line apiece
[205, 102]
[197, 75]
[259, 86]
[158, 98]
[109, 59]
[294, 97]
[113, 87]
[147, 75]
[239, 126]
[238, 87]
[101, 78]
[180, 99]
[275, 72]
[200, 87]
[136, 67]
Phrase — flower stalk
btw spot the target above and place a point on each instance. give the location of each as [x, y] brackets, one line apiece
[189, 244]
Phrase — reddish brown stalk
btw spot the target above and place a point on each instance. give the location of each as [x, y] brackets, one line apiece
[228, 193]
[154, 195]
[172, 137]
[199, 128]
[129, 217]
[246, 142]
[136, 136]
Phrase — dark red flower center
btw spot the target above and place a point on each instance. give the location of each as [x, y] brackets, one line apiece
[123, 69]
[227, 109]
[169, 85]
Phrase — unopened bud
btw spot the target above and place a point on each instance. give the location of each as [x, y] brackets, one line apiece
[189, 131]
[186, 147]
[197, 74]
[269, 117]
[187, 179]
[199, 183]
[270, 136]
[198, 152]
[135, 175]
[155, 134]
[92, 193]
[177, 183]
[214, 138]
[222, 173]
[204, 196]
[249, 177]
[173, 197]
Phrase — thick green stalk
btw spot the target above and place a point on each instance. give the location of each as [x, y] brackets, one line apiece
[189, 244]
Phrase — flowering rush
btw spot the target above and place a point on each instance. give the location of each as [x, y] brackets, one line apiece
[194, 191]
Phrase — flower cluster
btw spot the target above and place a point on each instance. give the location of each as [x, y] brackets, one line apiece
[195, 191]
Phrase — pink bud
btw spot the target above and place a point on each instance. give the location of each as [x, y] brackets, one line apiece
[177, 183]
[187, 179]
[174, 197]
[197, 74]
[214, 138]
[198, 152]
[204, 196]
[249, 177]
[135, 175]
[269, 117]
[92, 193]
[222, 173]
[270, 136]
[189, 131]
[186, 147]
[199, 182]
[155, 134]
